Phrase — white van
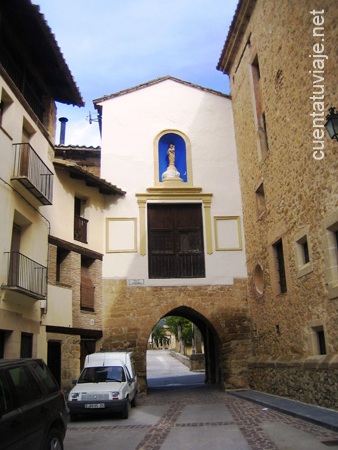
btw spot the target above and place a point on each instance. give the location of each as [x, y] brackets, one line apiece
[108, 383]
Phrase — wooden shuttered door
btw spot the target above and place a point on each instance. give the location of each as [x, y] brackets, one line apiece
[175, 241]
[87, 289]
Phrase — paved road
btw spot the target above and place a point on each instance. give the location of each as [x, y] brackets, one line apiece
[181, 413]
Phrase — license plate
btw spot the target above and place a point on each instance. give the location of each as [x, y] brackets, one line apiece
[94, 405]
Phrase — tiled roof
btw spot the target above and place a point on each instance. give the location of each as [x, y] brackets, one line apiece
[152, 83]
[236, 32]
[75, 171]
[38, 42]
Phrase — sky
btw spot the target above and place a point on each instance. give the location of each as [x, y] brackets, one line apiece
[112, 45]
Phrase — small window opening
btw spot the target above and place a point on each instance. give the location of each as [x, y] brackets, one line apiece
[260, 200]
[278, 247]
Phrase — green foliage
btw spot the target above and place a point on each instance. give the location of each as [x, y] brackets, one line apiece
[173, 323]
[159, 335]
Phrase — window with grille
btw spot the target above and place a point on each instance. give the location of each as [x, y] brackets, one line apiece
[175, 241]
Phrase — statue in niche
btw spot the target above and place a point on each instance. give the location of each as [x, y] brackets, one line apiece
[171, 172]
[171, 155]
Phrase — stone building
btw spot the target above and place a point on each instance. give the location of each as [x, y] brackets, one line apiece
[174, 243]
[281, 58]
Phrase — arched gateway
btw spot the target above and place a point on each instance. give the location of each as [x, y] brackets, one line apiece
[219, 312]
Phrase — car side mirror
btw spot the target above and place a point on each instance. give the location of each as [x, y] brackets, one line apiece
[74, 382]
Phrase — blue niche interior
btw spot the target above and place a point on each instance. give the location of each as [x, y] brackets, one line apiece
[180, 154]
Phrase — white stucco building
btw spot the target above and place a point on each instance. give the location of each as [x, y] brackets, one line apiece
[138, 126]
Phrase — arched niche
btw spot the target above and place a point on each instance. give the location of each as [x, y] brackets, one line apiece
[182, 157]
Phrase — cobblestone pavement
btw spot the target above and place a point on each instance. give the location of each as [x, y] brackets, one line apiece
[193, 418]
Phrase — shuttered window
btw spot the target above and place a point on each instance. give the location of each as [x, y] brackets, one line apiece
[175, 241]
[87, 287]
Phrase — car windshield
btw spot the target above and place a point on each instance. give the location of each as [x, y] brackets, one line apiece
[102, 374]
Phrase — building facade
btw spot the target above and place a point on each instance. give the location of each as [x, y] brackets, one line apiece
[33, 76]
[174, 243]
[72, 324]
[281, 60]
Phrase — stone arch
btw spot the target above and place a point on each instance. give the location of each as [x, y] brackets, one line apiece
[213, 372]
[212, 342]
[220, 312]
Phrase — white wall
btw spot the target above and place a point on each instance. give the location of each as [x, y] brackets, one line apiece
[61, 214]
[131, 122]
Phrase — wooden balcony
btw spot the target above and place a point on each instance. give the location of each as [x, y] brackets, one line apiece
[80, 229]
[26, 276]
[32, 173]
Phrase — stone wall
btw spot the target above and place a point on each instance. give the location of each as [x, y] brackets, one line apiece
[287, 194]
[70, 351]
[194, 362]
[130, 314]
[310, 380]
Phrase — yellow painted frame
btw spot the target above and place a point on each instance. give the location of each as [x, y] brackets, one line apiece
[184, 194]
[133, 248]
[239, 231]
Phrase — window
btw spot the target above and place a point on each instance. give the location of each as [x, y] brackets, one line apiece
[330, 250]
[305, 251]
[260, 200]
[87, 286]
[26, 345]
[318, 340]
[80, 223]
[303, 254]
[279, 259]
[175, 241]
[26, 388]
[14, 264]
[61, 255]
[259, 108]
[258, 280]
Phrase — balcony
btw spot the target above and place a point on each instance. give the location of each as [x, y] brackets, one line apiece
[26, 276]
[80, 229]
[32, 173]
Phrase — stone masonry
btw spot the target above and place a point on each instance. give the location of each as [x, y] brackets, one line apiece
[288, 195]
[132, 312]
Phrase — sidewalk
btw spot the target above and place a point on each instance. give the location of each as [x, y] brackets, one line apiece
[320, 416]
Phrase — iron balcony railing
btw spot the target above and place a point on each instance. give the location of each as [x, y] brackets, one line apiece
[80, 229]
[33, 173]
[26, 275]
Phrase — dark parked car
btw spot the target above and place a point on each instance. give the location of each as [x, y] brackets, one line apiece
[33, 412]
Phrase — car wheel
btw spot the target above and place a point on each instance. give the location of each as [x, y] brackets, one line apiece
[125, 412]
[133, 402]
[54, 440]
